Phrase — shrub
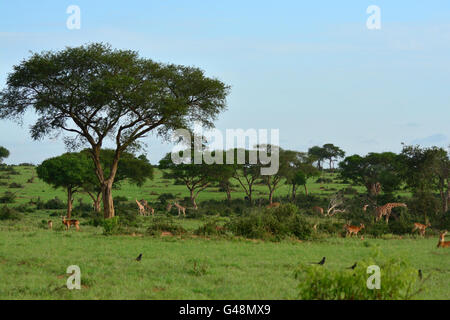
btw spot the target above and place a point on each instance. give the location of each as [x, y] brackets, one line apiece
[111, 226]
[377, 229]
[15, 185]
[119, 199]
[398, 281]
[54, 204]
[164, 197]
[271, 224]
[9, 214]
[164, 225]
[25, 208]
[8, 197]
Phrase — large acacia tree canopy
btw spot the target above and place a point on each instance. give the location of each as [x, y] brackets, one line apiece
[96, 92]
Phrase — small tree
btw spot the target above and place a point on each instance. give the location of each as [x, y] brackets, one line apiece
[247, 174]
[68, 171]
[4, 153]
[376, 171]
[332, 153]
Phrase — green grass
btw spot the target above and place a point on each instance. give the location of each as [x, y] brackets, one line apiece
[33, 265]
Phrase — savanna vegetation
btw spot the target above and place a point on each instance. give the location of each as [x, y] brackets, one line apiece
[205, 231]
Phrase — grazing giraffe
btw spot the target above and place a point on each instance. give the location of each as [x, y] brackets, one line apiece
[180, 209]
[141, 208]
[421, 228]
[147, 207]
[387, 209]
[318, 209]
[442, 243]
[169, 207]
[353, 229]
[273, 205]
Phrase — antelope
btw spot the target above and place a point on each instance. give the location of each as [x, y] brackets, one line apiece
[71, 222]
[421, 228]
[273, 205]
[50, 224]
[442, 243]
[318, 209]
[365, 207]
[353, 229]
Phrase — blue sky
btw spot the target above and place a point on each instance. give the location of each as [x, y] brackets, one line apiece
[311, 69]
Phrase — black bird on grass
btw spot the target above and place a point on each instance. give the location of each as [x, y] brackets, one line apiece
[321, 262]
[353, 266]
[139, 258]
[420, 274]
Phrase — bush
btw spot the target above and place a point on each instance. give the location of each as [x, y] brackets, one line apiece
[54, 204]
[8, 197]
[111, 226]
[15, 185]
[398, 281]
[25, 208]
[164, 225]
[164, 197]
[273, 224]
[9, 214]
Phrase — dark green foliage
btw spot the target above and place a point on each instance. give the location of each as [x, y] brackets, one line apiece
[273, 224]
[111, 226]
[160, 225]
[15, 185]
[7, 213]
[54, 204]
[8, 197]
[24, 208]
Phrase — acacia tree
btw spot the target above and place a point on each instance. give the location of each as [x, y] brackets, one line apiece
[299, 171]
[95, 93]
[4, 153]
[247, 174]
[332, 153]
[376, 171]
[318, 154]
[68, 171]
[426, 170]
[196, 177]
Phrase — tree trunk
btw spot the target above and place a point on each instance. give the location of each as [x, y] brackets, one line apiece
[193, 199]
[108, 204]
[306, 189]
[294, 192]
[69, 202]
[106, 184]
[228, 195]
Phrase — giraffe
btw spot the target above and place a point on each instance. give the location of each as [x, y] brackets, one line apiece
[387, 209]
[141, 208]
[147, 207]
[180, 209]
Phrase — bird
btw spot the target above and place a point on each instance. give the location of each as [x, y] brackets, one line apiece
[353, 266]
[420, 274]
[321, 262]
[139, 258]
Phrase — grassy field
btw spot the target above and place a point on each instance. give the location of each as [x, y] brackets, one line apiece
[33, 260]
